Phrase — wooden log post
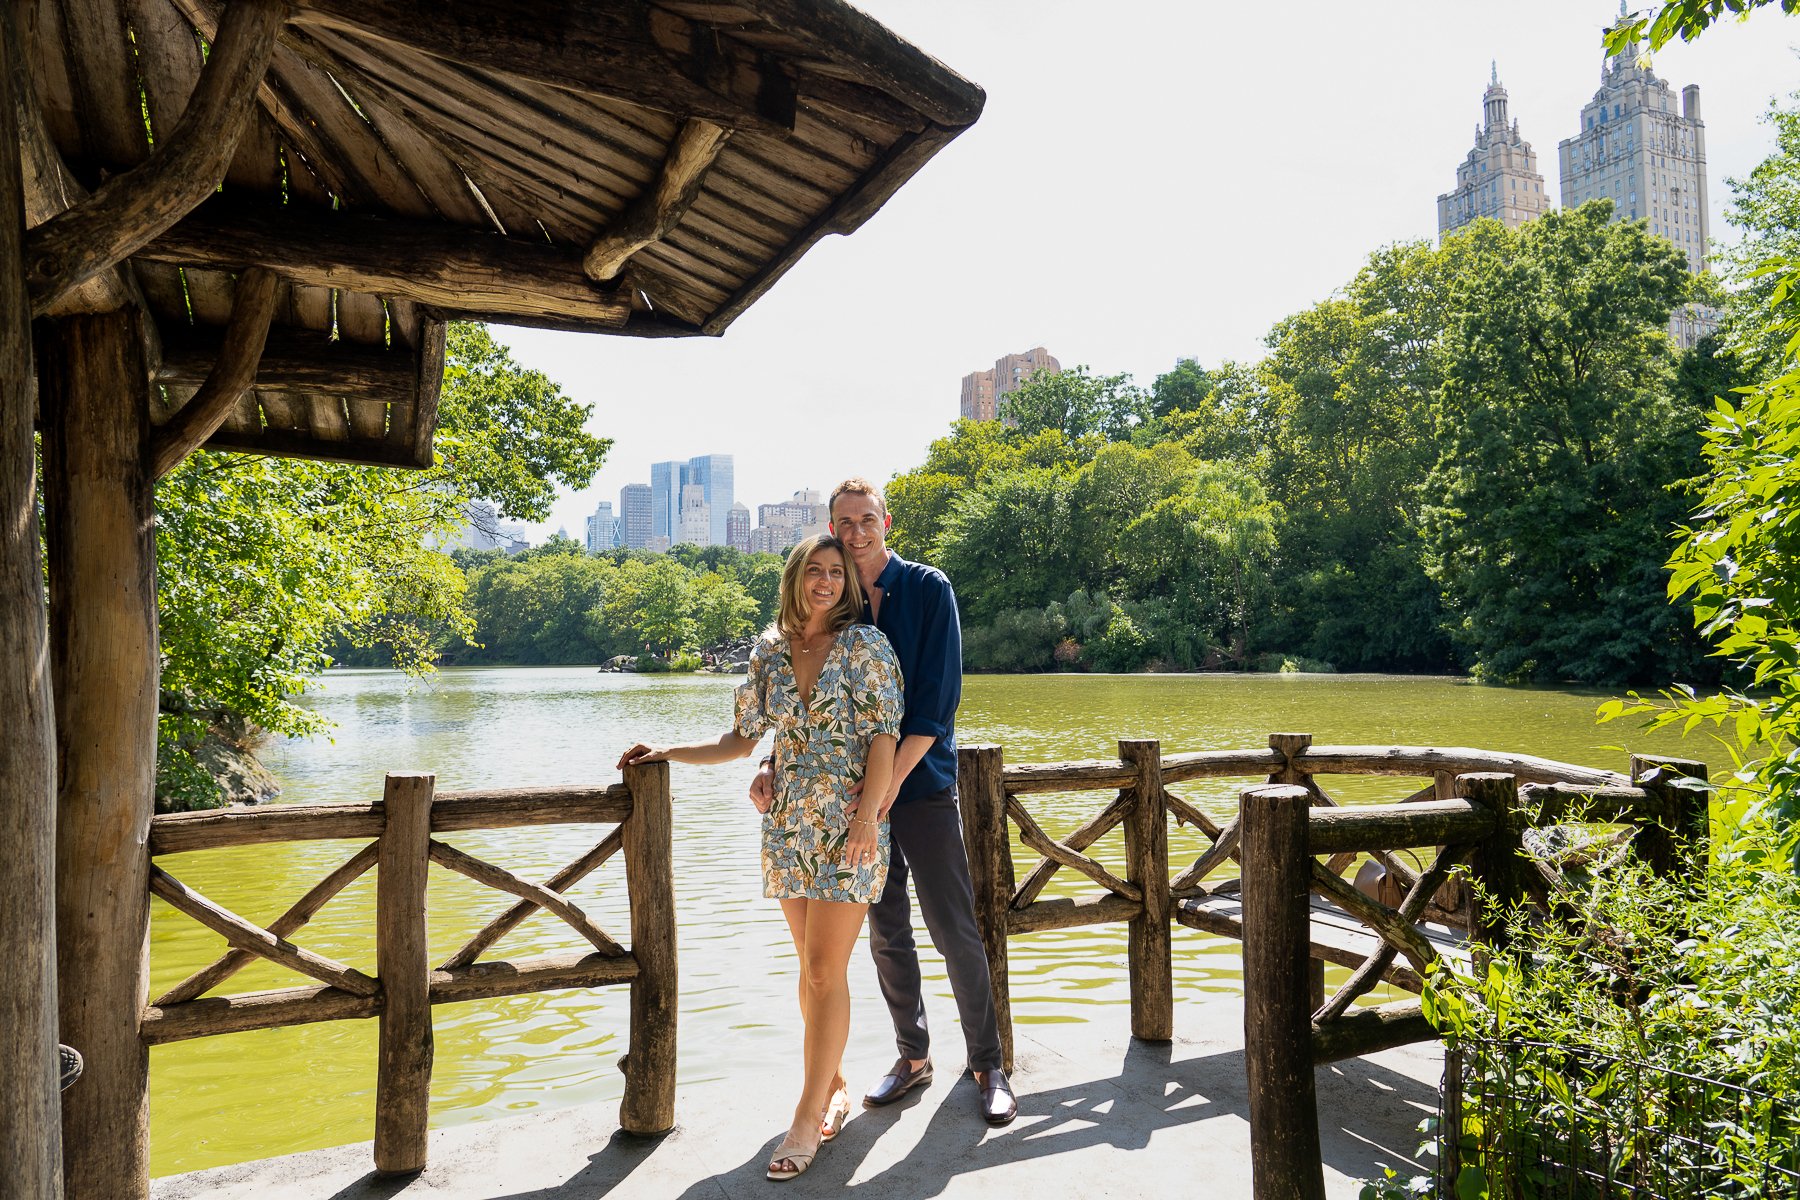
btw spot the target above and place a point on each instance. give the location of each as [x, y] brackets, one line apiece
[981, 792]
[93, 383]
[1496, 866]
[648, 1106]
[1291, 746]
[1148, 947]
[1676, 832]
[1278, 1050]
[30, 1120]
[402, 960]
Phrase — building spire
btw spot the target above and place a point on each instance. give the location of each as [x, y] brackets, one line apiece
[1494, 69]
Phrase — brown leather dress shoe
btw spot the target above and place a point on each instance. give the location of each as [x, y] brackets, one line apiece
[998, 1106]
[896, 1083]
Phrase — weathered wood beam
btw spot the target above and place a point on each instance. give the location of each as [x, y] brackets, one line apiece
[297, 360]
[862, 49]
[130, 209]
[233, 373]
[30, 1120]
[451, 270]
[99, 517]
[619, 48]
[653, 215]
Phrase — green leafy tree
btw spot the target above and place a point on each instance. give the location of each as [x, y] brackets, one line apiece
[1185, 389]
[723, 610]
[264, 564]
[649, 606]
[1559, 438]
[1009, 543]
[920, 500]
[1076, 404]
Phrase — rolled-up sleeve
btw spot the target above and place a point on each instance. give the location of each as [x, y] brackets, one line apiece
[934, 686]
[751, 719]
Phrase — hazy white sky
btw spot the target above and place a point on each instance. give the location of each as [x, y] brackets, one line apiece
[1149, 181]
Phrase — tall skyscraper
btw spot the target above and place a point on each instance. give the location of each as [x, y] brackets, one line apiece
[602, 528]
[696, 517]
[737, 527]
[1499, 178]
[636, 516]
[1647, 155]
[984, 392]
[668, 480]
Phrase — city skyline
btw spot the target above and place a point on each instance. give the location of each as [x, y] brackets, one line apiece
[844, 368]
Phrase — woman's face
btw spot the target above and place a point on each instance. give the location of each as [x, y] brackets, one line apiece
[822, 580]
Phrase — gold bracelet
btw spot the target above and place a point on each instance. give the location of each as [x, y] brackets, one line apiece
[870, 824]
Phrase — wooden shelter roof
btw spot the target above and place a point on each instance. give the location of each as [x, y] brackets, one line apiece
[596, 165]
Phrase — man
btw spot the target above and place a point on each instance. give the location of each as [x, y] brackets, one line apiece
[915, 607]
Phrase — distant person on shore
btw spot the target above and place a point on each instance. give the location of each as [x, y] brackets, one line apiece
[914, 605]
[830, 687]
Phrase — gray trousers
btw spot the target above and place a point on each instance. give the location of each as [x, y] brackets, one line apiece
[927, 847]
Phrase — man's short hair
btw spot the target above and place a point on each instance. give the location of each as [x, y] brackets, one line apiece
[857, 485]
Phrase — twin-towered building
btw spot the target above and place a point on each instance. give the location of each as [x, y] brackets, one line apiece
[1636, 145]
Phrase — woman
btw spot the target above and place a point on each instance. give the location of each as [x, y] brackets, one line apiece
[830, 688]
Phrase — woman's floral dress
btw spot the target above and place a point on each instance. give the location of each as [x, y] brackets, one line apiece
[819, 752]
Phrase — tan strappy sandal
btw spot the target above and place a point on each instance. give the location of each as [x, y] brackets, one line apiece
[831, 1121]
[787, 1156]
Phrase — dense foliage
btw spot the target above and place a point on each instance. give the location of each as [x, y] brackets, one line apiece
[264, 564]
[1465, 459]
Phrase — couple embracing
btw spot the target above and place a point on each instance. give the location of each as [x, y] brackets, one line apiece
[859, 679]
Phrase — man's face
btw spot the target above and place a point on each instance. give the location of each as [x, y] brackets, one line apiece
[861, 524]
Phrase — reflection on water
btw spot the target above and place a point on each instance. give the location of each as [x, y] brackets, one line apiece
[226, 1099]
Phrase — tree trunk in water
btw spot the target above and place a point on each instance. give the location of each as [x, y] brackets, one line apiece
[99, 513]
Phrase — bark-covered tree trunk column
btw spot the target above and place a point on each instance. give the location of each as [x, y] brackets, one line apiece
[30, 1138]
[99, 517]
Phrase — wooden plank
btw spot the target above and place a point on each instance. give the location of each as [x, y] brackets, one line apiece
[215, 1015]
[1334, 936]
[299, 360]
[1024, 778]
[287, 924]
[103, 84]
[129, 209]
[562, 881]
[209, 295]
[981, 794]
[402, 947]
[1398, 826]
[456, 271]
[1067, 912]
[246, 936]
[1218, 764]
[1370, 1030]
[1284, 1115]
[500, 808]
[1147, 944]
[326, 418]
[99, 508]
[610, 47]
[233, 372]
[168, 60]
[655, 214]
[428, 390]
[1457, 760]
[648, 1106]
[487, 873]
[31, 1119]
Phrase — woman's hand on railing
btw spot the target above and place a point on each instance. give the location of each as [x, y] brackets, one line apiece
[640, 754]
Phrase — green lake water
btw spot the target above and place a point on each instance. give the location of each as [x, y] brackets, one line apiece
[252, 1095]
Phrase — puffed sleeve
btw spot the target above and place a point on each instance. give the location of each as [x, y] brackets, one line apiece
[751, 719]
[880, 689]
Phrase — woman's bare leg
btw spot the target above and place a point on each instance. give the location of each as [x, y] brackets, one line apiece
[831, 929]
[795, 911]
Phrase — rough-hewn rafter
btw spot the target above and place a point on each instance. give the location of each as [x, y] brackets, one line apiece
[618, 48]
[452, 270]
[233, 373]
[298, 360]
[130, 209]
[651, 217]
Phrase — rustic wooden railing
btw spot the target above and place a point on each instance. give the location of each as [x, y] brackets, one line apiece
[405, 984]
[1291, 904]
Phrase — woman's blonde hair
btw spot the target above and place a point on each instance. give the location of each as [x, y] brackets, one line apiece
[791, 618]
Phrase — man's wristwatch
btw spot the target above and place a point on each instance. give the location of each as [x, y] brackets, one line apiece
[768, 761]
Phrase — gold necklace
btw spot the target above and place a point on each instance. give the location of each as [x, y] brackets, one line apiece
[796, 644]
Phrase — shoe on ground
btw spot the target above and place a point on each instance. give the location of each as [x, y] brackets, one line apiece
[897, 1082]
[998, 1105]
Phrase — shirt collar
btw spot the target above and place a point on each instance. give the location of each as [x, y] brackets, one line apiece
[889, 573]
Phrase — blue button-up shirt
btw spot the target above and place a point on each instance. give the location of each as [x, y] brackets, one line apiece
[918, 614]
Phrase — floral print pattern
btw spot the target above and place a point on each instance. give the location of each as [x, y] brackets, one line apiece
[821, 748]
